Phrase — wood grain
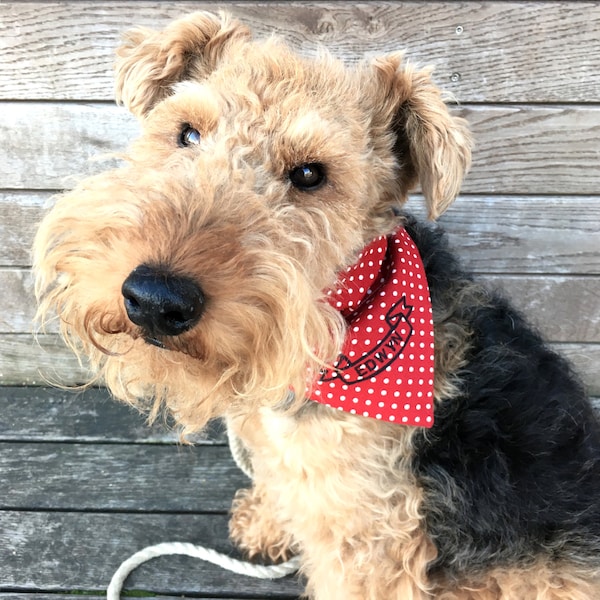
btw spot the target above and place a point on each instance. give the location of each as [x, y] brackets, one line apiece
[95, 596]
[42, 361]
[534, 149]
[520, 149]
[38, 414]
[52, 145]
[18, 302]
[118, 477]
[19, 214]
[54, 551]
[565, 309]
[483, 51]
[526, 234]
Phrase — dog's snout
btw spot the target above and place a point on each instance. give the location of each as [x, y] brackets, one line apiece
[162, 303]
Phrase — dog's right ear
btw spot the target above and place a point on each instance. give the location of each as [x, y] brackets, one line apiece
[150, 62]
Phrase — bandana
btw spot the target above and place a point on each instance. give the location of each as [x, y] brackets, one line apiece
[385, 370]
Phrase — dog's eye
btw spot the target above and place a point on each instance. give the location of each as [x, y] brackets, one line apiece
[308, 177]
[188, 136]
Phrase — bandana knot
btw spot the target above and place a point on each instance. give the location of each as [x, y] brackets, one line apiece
[385, 370]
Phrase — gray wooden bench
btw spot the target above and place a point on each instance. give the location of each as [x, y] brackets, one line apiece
[84, 483]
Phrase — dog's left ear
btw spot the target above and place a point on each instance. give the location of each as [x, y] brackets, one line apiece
[150, 62]
[431, 145]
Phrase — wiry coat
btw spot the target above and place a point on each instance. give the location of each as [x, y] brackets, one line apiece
[498, 500]
[511, 468]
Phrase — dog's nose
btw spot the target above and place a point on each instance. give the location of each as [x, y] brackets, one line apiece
[160, 302]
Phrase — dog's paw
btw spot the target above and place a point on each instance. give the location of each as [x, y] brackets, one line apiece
[255, 530]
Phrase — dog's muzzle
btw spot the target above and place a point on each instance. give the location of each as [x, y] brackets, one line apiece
[161, 303]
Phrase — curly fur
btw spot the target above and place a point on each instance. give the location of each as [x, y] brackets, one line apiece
[498, 500]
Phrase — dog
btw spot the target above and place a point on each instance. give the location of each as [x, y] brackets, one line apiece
[411, 436]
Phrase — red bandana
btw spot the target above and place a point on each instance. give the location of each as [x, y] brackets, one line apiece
[385, 370]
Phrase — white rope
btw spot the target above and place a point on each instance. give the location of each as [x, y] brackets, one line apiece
[243, 459]
[240, 453]
[222, 560]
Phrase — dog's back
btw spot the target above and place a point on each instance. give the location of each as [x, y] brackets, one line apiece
[511, 468]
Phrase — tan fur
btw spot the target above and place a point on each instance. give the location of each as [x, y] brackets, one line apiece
[225, 214]
[326, 462]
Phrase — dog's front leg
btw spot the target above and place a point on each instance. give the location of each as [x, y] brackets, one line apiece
[255, 528]
[256, 525]
[339, 491]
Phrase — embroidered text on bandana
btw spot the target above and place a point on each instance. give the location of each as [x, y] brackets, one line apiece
[385, 370]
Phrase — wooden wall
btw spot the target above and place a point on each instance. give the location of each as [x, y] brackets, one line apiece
[527, 76]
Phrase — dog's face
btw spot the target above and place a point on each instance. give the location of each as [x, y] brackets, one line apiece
[197, 273]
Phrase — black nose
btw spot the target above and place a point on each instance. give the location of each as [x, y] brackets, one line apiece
[160, 302]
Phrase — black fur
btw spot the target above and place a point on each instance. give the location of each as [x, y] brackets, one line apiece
[511, 468]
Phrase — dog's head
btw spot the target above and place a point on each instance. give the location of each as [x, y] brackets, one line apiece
[430, 145]
[197, 273]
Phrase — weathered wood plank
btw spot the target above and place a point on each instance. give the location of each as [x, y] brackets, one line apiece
[541, 298]
[51, 145]
[498, 234]
[85, 595]
[526, 234]
[19, 214]
[61, 551]
[520, 149]
[486, 51]
[117, 477]
[43, 361]
[565, 309]
[53, 415]
[21, 362]
[18, 301]
[585, 358]
[74, 594]
[534, 149]
[90, 596]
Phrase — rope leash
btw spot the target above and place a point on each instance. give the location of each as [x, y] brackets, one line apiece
[243, 459]
[222, 560]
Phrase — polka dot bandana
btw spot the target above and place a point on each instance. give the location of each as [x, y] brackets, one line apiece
[385, 370]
